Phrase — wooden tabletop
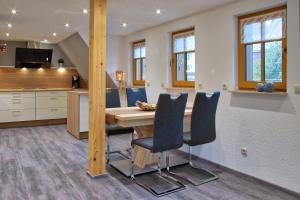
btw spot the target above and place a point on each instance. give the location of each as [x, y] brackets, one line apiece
[133, 116]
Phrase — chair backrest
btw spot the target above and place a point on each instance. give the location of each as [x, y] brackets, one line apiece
[203, 126]
[112, 98]
[135, 94]
[168, 122]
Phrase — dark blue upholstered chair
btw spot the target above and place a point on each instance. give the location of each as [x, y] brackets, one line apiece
[168, 133]
[113, 101]
[135, 94]
[203, 130]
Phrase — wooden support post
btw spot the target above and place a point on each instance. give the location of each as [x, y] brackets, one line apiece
[97, 87]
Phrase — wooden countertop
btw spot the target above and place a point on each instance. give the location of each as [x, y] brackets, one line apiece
[79, 92]
[35, 89]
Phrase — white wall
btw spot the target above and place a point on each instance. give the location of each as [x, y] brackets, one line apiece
[269, 126]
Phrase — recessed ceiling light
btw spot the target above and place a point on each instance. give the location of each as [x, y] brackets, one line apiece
[67, 25]
[9, 25]
[157, 11]
[85, 11]
[7, 34]
[13, 11]
[124, 25]
[54, 34]
[44, 41]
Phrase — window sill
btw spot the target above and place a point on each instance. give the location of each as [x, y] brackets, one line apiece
[179, 88]
[258, 93]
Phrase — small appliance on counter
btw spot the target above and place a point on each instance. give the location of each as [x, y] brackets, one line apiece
[75, 82]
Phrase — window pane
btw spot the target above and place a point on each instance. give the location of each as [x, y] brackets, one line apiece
[144, 68]
[272, 29]
[190, 43]
[180, 67]
[253, 62]
[143, 51]
[190, 66]
[273, 61]
[137, 52]
[252, 32]
[179, 44]
[137, 69]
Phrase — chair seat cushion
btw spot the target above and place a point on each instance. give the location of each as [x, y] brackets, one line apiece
[187, 138]
[146, 143]
[116, 130]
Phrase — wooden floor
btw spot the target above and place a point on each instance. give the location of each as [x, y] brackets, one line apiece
[48, 163]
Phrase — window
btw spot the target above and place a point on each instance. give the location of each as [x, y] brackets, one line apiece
[262, 48]
[183, 58]
[139, 63]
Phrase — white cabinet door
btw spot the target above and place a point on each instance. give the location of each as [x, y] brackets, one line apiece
[51, 102]
[50, 113]
[7, 103]
[52, 94]
[17, 94]
[17, 115]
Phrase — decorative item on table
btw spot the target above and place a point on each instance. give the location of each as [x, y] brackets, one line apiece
[61, 62]
[260, 87]
[269, 87]
[146, 106]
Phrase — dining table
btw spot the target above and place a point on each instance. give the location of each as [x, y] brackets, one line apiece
[143, 124]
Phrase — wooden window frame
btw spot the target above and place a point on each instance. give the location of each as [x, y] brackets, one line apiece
[134, 81]
[244, 84]
[176, 83]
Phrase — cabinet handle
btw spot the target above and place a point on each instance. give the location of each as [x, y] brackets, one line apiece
[54, 110]
[53, 98]
[16, 102]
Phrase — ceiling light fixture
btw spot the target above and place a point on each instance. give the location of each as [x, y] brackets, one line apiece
[9, 25]
[13, 11]
[54, 34]
[7, 34]
[158, 11]
[67, 25]
[124, 25]
[85, 11]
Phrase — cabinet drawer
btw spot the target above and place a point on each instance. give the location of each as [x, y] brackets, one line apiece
[7, 103]
[52, 94]
[51, 102]
[51, 113]
[17, 115]
[17, 94]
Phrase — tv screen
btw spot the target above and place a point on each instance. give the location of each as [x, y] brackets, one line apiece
[33, 58]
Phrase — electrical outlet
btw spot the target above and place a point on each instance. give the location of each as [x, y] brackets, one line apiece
[162, 85]
[297, 89]
[224, 86]
[148, 84]
[244, 151]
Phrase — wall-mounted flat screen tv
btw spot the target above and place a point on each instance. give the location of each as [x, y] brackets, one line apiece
[33, 58]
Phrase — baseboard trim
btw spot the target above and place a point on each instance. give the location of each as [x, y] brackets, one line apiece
[250, 176]
[33, 123]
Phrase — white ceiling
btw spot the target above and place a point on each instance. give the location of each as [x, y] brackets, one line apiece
[38, 19]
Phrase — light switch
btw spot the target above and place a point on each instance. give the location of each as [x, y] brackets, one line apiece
[148, 84]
